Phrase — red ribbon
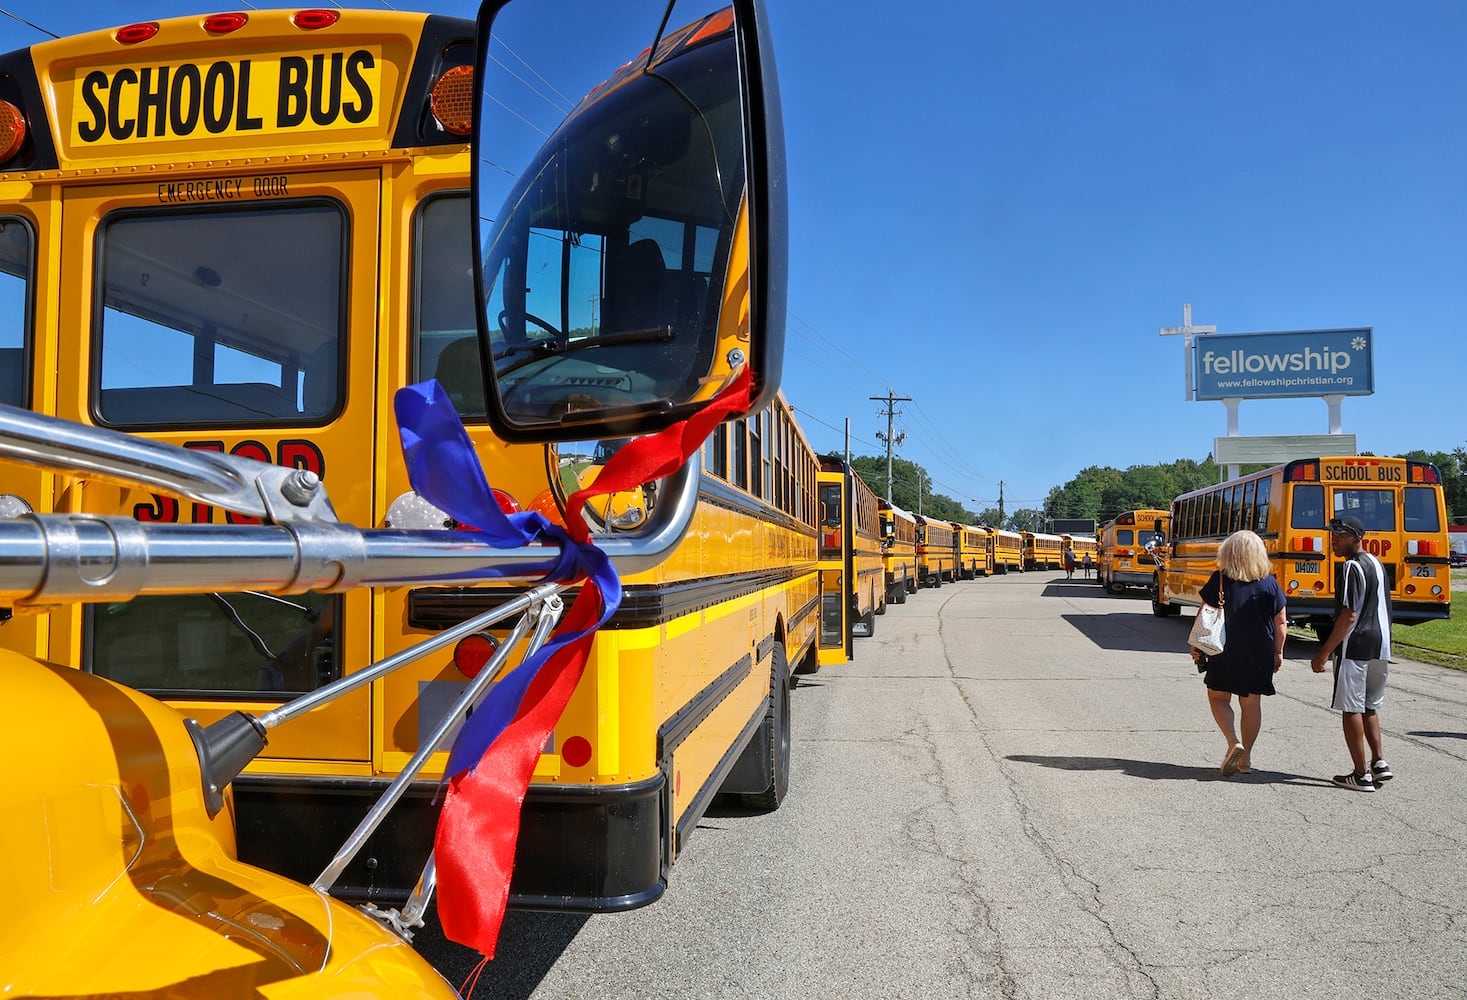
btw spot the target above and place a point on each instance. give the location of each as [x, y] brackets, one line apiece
[479, 826]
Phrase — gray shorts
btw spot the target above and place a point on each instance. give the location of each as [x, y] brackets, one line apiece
[1359, 685]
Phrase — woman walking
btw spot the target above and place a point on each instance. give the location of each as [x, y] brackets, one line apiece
[1253, 609]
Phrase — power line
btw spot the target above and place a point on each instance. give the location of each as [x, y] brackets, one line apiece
[521, 61]
[837, 348]
[28, 24]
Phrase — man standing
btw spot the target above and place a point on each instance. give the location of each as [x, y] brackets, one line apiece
[1362, 635]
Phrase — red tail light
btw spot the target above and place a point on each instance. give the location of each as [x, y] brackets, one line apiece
[472, 652]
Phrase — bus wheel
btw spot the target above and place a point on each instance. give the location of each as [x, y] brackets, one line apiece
[771, 742]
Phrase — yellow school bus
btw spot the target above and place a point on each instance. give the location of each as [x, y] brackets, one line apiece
[898, 552]
[255, 276]
[1043, 551]
[852, 588]
[1008, 550]
[1082, 545]
[1399, 500]
[1127, 544]
[970, 543]
[936, 554]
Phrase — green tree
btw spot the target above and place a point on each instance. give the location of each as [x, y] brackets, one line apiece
[911, 488]
[1453, 467]
[1028, 519]
[990, 518]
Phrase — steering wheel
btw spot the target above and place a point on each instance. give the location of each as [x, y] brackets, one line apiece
[503, 320]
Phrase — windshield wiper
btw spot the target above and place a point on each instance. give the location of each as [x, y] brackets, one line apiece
[546, 348]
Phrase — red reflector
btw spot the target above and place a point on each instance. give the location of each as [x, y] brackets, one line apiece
[507, 503]
[1306, 545]
[1410, 588]
[576, 751]
[134, 33]
[832, 539]
[310, 20]
[472, 652]
[220, 24]
[12, 130]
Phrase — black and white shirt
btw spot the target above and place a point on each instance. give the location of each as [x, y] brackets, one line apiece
[1363, 589]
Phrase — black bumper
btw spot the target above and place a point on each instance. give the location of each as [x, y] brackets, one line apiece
[585, 850]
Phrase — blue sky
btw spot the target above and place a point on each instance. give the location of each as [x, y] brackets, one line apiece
[995, 207]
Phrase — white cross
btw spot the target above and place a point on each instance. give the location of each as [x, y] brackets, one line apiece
[1186, 330]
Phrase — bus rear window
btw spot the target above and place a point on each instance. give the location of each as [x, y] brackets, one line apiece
[221, 318]
[1376, 509]
[1422, 511]
[1125, 536]
[1307, 507]
[17, 251]
[246, 644]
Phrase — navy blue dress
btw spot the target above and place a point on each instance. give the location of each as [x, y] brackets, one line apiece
[1245, 666]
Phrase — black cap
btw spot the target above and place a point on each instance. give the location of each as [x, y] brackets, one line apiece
[1347, 526]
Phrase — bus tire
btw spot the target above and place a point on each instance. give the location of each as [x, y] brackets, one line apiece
[771, 742]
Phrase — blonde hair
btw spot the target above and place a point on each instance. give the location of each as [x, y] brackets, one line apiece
[1243, 557]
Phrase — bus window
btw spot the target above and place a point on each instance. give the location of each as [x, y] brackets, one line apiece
[1375, 508]
[1147, 537]
[220, 318]
[16, 254]
[1308, 507]
[251, 644]
[1125, 536]
[720, 451]
[445, 334]
[1421, 509]
[1260, 521]
[740, 454]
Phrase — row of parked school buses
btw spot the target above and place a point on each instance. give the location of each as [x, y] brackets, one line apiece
[887, 553]
[1170, 553]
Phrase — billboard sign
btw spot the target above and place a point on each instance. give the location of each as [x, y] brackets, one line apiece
[1275, 449]
[1277, 365]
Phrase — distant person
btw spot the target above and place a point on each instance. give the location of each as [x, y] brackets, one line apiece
[1086, 564]
[1068, 557]
[1253, 610]
[1362, 638]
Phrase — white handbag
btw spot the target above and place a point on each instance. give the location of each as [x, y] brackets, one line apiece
[1209, 630]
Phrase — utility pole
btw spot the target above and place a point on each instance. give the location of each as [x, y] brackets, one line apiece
[890, 399]
[1001, 517]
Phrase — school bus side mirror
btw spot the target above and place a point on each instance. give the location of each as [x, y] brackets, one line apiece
[629, 199]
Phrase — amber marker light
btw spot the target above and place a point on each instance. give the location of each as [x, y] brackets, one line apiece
[12, 130]
[453, 100]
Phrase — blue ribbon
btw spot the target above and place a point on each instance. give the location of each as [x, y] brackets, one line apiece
[445, 470]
